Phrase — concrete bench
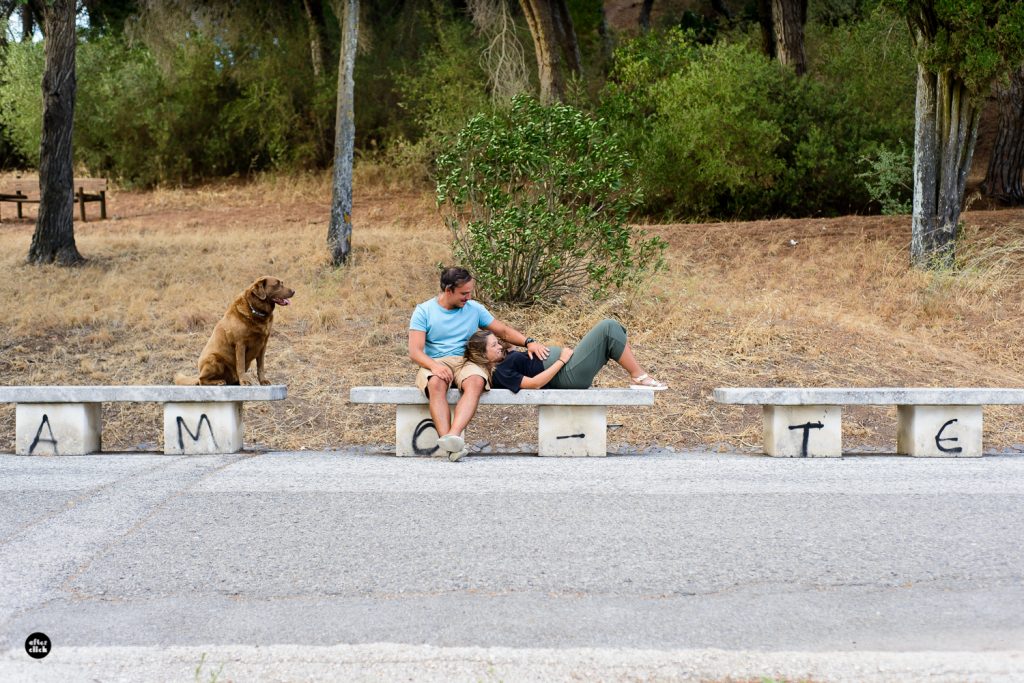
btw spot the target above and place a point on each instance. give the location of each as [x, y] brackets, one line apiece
[932, 423]
[67, 420]
[571, 422]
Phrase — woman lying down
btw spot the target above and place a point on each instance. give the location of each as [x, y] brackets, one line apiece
[565, 368]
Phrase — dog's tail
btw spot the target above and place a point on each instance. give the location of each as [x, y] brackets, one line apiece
[179, 378]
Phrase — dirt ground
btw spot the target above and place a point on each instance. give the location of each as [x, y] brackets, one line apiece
[815, 302]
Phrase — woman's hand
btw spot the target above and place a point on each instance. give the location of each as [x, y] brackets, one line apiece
[565, 355]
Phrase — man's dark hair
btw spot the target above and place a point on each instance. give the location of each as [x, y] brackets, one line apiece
[454, 277]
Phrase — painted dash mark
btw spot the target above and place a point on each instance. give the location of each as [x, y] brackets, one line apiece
[572, 436]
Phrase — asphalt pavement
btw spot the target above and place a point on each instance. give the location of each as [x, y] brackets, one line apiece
[328, 566]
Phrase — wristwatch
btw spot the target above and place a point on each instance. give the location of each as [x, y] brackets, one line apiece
[529, 340]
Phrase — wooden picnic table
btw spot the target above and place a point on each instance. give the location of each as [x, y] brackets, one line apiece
[25, 190]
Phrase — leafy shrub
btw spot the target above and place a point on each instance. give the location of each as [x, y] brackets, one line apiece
[628, 101]
[722, 131]
[444, 89]
[537, 201]
[738, 135]
[21, 99]
[200, 111]
[889, 179]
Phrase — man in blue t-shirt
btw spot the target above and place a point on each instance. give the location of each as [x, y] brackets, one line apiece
[438, 332]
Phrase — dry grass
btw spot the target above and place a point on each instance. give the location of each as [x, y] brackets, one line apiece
[739, 306]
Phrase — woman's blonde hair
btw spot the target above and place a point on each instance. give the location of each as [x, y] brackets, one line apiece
[476, 350]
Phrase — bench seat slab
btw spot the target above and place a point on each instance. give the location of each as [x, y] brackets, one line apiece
[57, 428]
[566, 431]
[803, 431]
[939, 431]
[202, 428]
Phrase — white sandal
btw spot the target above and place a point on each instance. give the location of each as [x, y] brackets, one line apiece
[645, 382]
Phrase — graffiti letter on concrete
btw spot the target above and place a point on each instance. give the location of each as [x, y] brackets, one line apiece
[807, 427]
[199, 430]
[423, 426]
[939, 439]
[52, 440]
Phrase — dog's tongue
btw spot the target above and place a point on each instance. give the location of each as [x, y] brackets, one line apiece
[282, 302]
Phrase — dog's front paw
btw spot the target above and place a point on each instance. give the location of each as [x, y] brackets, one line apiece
[264, 381]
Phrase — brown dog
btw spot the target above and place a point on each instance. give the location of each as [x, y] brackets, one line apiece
[241, 335]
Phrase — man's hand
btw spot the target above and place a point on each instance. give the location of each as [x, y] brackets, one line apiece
[537, 350]
[444, 372]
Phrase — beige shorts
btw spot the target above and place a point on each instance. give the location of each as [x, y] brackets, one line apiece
[461, 369]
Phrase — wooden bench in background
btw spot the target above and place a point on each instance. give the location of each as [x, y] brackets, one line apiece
[571, 422]
[932, 422]
[67, 420]
[26, 191]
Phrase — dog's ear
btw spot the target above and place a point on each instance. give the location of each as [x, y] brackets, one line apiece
[259, 288]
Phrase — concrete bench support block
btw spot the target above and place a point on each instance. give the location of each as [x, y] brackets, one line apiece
[803, 431]
[415, 433]
[572, 430]
[57, 428]
[939, 431]
[202, 428]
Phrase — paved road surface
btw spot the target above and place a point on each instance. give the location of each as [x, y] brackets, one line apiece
[298, 566]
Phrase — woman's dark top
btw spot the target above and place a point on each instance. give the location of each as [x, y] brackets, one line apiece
[510, 372]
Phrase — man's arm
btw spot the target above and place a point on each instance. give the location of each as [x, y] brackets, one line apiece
[417, 344]
[514, 336]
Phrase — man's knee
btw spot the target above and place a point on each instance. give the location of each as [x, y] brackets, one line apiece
[436, 386]
[473, 385]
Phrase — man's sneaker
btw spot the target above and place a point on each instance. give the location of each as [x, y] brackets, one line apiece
[455, 456]
[453, 443]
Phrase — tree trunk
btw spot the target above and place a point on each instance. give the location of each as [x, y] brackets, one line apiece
[554, 42]
[645, 15]
[1005, 177]
[945, 131]
[566, 33]
[314, 20]
[788, 19]
[54, 237]
[607, 42]
[28, 26]
[339, 233]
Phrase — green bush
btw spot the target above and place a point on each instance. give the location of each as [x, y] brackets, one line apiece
[889, 179]
[201, 111]
[722, 131]
[537, 200]
[738, 135]
[628, 101]
[442, 90]
[21, 99]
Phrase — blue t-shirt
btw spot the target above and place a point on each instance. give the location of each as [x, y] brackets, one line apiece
[448, 331]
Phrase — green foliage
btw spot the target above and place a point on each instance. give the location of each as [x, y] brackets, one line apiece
[629, 100]
[976, 40]
[738, 135]
[889, 179]
[443, 89]
[848, 61]
[21, 100]
[194, 110]
[721, 131]
[537, 200]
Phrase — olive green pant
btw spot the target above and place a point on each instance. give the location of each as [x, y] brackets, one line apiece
[606, 341]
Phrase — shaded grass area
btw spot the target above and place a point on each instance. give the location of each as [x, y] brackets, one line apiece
[815, 302]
